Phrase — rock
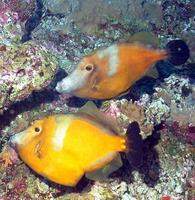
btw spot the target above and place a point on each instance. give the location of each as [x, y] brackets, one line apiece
[127, 196]
[24, 68]
[179, 189]
[42, 187]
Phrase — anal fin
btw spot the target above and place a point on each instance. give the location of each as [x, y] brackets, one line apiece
[103, 173]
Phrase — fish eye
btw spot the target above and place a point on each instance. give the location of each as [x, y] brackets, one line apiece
[37, 129]
[89, 67]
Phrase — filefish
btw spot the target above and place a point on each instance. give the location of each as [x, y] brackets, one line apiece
[65, 147]
[110, 72]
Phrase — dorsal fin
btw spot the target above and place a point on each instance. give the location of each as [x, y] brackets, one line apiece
[145, 38]
[94, 114]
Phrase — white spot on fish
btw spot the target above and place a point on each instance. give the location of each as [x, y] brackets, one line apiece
[113, 60]
[60, 134]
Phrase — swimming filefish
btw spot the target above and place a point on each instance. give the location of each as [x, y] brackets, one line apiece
[110, 72]
[65, 147]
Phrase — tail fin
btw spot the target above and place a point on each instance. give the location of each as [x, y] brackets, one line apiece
[135, 142]
[178, 52]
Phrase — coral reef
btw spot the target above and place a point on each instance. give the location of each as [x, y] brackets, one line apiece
[164, 108]
[125, 112]
[178, 93]
[23, 69]
[23, 8]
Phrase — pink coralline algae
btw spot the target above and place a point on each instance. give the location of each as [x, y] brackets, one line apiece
[13, 10]
[23, 8]
[185, 131]
[179, 94]
[8, 156]
[6, 15]
[112, 110]
[23, 69]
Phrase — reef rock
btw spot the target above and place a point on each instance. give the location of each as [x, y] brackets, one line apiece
[23, 69]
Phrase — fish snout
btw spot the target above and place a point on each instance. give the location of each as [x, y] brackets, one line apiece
[16, 139]
[76, 80]
[12, 141]
[66, 85]
[59, 87]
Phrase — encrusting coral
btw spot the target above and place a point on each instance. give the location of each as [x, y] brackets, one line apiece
[178, 93]
[171, 102]
[23, 69]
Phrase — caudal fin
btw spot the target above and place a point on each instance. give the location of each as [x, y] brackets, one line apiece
[135, 142]
[178, 52]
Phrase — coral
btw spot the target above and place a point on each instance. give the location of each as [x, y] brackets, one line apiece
[183, 131]
[184, 115]
[23, 69]
[33, 21]
[172, 103]
[147, 111]
[190, 185]
[157, 111]
[8, 156]
[125, 112]
[6, 15]
[135, 112]
[111, 108]
[23, 8]
[178, 93]
[70, 30]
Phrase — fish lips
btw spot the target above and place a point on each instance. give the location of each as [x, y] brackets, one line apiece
[15, 140]
[59, 87]
[66, 86]
[12, 141]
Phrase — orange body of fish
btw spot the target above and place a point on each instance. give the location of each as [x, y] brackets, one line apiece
[63, 148]
[110, 72]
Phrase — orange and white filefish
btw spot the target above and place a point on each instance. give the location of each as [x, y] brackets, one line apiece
[64, 147]
[110, 72]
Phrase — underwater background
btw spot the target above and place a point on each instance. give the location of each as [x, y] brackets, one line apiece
[41, 41]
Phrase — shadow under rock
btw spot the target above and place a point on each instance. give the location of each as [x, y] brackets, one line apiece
[79, 102]
[84, 184]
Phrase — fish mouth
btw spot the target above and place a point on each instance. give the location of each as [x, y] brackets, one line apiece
[16, 139]
[59, 87]
[76, 80]
[67, 85]
[62, 87]
[12, 141]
